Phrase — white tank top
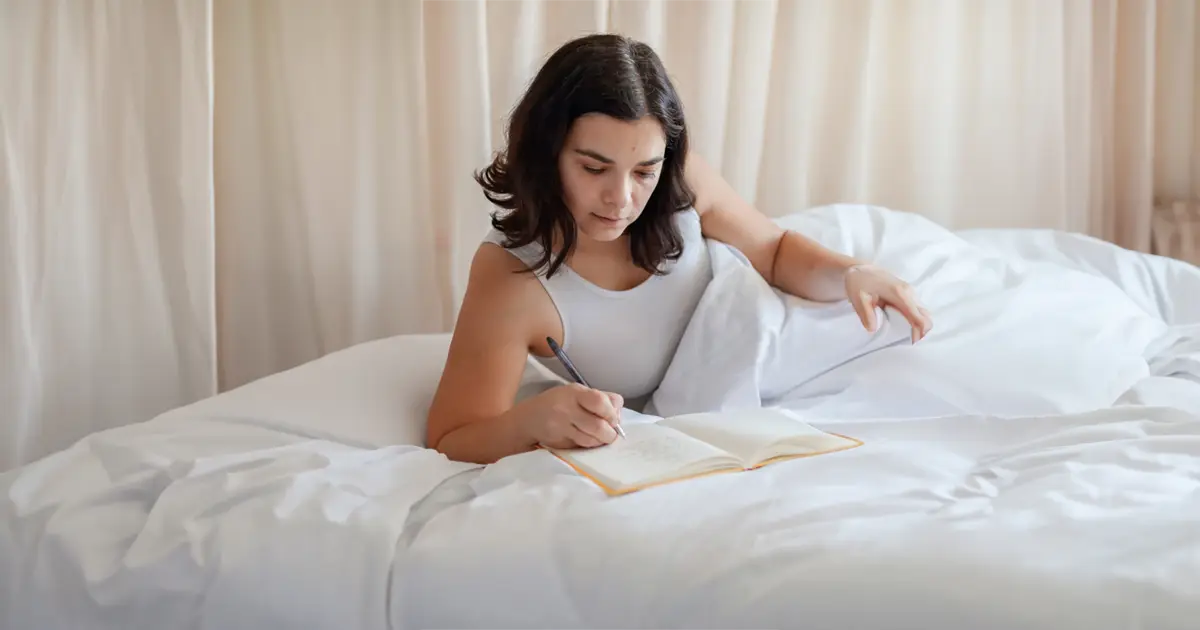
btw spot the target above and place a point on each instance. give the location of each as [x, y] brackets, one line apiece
[623, 341]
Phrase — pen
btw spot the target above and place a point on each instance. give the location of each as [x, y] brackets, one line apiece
[566, 362]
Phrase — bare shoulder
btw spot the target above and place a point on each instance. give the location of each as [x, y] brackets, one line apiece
[503, 311]
[501, 292]
[492, 264]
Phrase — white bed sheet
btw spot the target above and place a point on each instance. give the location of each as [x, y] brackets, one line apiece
[990, 493]
[1012, 475]
[1068, 522]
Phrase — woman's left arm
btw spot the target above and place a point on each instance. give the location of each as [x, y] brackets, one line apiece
[793, 262]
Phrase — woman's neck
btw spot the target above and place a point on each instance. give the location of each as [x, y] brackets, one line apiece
[590, 247]
[586, 247]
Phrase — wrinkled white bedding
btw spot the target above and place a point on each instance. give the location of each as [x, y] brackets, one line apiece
[1033, 463]
[1014, 334]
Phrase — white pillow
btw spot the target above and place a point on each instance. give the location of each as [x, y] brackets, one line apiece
[373, 394]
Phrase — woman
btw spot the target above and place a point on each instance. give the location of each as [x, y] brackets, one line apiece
[600, 246]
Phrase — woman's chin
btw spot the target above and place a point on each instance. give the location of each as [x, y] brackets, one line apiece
[603, 233]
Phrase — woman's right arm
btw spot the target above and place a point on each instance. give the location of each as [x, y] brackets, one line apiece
[472, 417]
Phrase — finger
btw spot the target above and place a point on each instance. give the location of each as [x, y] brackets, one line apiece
[582, 439]
[864, 305]
[923, 323]
[598, 430]
[618, 403]
[903, 302]
[567, 435]
[597, 403]
[602, 417]
[928, 321]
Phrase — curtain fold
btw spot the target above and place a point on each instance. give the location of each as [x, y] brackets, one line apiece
[1177, 101]
[327, 230]
[106, 241]
[198, 193]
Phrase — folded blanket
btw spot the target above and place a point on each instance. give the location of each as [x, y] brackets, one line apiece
[748, 341]
[1009, 337]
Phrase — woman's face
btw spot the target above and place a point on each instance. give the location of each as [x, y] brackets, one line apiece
[609, 168]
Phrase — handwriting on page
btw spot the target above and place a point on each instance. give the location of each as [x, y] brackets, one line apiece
[646, 454]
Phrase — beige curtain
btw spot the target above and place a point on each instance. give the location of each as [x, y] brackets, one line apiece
[197, 193]
[106, 217]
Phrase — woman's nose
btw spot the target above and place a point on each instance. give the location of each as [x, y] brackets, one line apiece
[618, 195]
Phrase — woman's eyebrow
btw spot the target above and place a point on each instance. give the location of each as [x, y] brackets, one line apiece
[607, 160]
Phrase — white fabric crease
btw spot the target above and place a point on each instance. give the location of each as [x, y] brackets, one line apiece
[1033, 463]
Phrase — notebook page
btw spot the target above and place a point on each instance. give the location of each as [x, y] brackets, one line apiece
[746, 432]
[649, 453]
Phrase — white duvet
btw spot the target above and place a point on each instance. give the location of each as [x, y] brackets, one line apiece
[1033, 463]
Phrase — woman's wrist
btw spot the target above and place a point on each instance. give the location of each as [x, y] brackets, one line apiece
[806, 269]
[855, 266]
[518, 425]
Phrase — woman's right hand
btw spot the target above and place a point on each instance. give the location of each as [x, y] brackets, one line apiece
[573, 416]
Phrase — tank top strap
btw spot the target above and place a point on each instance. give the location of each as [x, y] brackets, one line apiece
[528, 254]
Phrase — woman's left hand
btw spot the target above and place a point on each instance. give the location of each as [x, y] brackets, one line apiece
[869, 286]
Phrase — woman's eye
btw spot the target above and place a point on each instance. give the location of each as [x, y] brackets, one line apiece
[595, 170]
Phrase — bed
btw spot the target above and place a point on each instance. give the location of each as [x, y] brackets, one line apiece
[1033, 463]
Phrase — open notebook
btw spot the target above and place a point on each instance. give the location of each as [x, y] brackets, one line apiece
[686, 446]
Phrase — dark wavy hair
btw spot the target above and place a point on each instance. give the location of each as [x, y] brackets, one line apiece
[607, 74]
